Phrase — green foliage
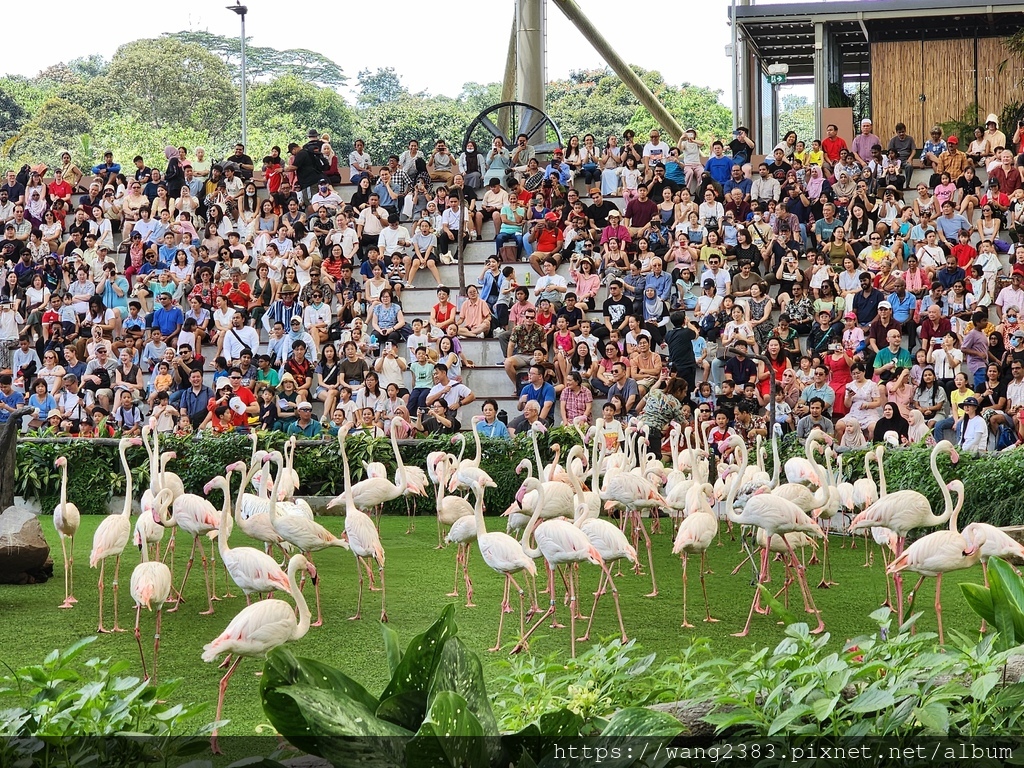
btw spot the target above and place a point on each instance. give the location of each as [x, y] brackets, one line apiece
[389, 126]
[51, 709]
[95, 473]
[436, 704]
[54, 127]
[291, 106]
[796, 113]
[963, 125]
[380, 87]
[168, 83]
[264, 63]
[1001, 603]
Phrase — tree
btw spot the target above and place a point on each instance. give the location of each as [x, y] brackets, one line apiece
[380, 87]
[479, 96]
[262, 63]
[12, 115]
[389, 127]
[88, 67]
[293, 106]
[54, 128]
[796, 113]
[169, 83]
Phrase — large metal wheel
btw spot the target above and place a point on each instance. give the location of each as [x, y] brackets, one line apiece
[510, 118]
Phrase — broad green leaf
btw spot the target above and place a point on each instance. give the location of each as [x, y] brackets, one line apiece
[391, 647]
[345, 732]
[638, 721]
[790, 715]
[560, 724]
[979, 599]
[778, 608]
[404, 701]
[871, 700]
[823, 707]
[1011, 583]
[934, 716]
[460, 670]
[1008, 617]
[981, 686]
[451, 736]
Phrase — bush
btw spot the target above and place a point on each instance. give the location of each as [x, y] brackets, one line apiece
[95, 474]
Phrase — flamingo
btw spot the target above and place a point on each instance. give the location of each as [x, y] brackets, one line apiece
[557, 500]
[158, 476]
[695, 534]
[249, 568]
[779, 545]
[197, 517]
[502, 554]
[363, 539]
[609, 540]
[150, 587]
[903, 511]
[463, 533]
[589, 500]
[257, 525]
[449, 508]
[774, 514]
[938, 553]
[259, 628]
[991, 542]
[66, 520]
[375, 491]
[112, 535]
[147, 533]
[306, 535]
[560, 543]
[412, 477]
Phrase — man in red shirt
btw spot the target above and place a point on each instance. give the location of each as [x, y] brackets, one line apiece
[547, 240]
[60, 189]
[238, 292]
[1006, 174]
[833, 144]
[243, 394]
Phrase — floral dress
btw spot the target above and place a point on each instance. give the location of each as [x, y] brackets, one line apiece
[763, 331]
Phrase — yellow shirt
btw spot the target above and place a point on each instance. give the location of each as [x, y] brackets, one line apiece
[956, 398]
[816, 158]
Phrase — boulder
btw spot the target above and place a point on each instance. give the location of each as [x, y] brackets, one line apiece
[24, 553]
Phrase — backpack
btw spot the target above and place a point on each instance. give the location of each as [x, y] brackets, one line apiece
[316, 155]
[1005, 437]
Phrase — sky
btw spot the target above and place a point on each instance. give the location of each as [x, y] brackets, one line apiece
[690, 50]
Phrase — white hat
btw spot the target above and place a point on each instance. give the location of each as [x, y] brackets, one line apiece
[992, 119]
[236, 405]
[866, 121]
[222, 382]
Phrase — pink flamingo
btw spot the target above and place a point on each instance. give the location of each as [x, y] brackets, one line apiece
[560, 543]
[775, 515]
[112, 535]
[150, 587]
[935, 554]
[259, 628]
[612, 544]
[904, 511]
[66, 520]
[695, 534]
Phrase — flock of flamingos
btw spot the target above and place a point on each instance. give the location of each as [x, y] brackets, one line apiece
[557, 517]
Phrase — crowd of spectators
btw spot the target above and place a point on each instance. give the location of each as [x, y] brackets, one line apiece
[883, 310]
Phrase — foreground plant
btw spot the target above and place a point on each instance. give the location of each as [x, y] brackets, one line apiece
[69, 712]
[435, 711]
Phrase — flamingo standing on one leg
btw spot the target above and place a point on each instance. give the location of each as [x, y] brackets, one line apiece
[449, 508]
[66, 520]
[462, 533]
[150, 588]
[903, 511]
[935, 554]
[112, 535]
[259, 628]
[695, 534]
[363, 539]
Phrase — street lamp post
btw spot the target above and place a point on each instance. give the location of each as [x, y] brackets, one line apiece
[241, 10]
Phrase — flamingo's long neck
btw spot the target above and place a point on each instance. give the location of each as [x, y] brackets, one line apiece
[880, 460]
[401, 479]
[734, 485]
[867, 469]
[122, 449]
[778, 462]
[955, 517]
[277, 459]
[533, 552]
[821, 492]
[598, 426]
[64, 486]
[478, 511]
[224, 483]
[577, 487]
[536, 453]
[947, 500]
[246, 479]
[300, 601]
[479, 452]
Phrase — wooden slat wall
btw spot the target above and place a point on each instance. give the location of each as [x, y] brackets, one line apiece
[948, 70]
[999, 77]
[896, 81]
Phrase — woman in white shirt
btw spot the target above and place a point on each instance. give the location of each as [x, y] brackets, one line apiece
[738, 328]
[222, 320]
[946, 360]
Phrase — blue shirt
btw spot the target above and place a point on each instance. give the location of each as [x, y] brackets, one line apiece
[15, 400]
[546, 393]
[385, 199]
[497, 429]
[662, 284]
[168, 320]
[901, 310]
[826, 393]
[743, 185]
[562, 169]
[674, 172]
[951, 227]
[720, 168]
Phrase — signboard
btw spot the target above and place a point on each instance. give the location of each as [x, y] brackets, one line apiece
[776, 79]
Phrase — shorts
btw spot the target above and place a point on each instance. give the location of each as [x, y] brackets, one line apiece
[521, 361]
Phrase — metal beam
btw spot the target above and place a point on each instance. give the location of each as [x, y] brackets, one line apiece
[621, 68]
[508, 85]
[530, 84]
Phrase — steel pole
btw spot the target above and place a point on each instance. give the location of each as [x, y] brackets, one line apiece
[244, 121]
[621, 68]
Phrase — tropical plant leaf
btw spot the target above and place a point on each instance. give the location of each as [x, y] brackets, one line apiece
[391, 647]
[404, 701]
[934, 716]
[871, 700]
[460, 670]
[451, 736]
[637, 721]
[777, 607]
[979, 600]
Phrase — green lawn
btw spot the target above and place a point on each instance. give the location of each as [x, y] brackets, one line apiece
[418, 577]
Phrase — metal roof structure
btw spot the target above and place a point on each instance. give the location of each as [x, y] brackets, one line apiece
[785, 33]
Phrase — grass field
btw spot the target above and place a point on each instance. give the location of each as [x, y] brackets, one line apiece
[418, 577]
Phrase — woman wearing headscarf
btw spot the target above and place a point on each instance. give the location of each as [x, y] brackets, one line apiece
[655, 315]
[892, 421]
[918, 428]
[817, 184]
[174, 177]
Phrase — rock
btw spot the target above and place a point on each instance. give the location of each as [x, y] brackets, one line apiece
[24, 553]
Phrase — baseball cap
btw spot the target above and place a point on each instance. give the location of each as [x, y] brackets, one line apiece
[551, 216]
[222, 382]
[1018, 334]
[709, 283]
[236, 405]
[322, 181]
[594, 191]
[557, 151]
[969, 401]
[296, 320]
[614, 215]
[850, 316]
[884, 305]
[953, 140]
